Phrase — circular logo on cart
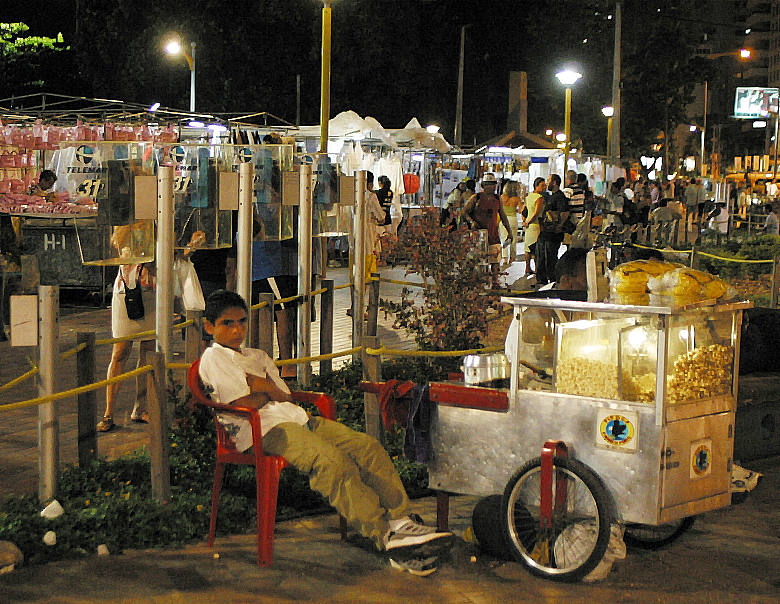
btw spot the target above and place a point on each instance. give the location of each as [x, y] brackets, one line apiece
[245, 155]
[85, 154]
[617, 430]
[701, 459]
[176, 153]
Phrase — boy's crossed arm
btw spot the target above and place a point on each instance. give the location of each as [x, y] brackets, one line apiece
[261, 391]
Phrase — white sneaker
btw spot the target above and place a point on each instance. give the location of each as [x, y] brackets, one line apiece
[408, 533]
[419, 567]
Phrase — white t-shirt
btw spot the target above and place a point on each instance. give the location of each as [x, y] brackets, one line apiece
[224, 370]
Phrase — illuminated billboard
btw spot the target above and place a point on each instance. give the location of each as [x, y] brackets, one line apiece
[753, 102]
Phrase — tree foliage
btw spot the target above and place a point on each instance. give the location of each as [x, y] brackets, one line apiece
[26, 61]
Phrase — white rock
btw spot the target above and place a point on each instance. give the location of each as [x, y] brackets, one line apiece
[53, 510]
[50, 538]
[102, 550]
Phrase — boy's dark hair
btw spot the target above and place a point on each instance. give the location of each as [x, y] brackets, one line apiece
[369, 177]
[49, 175]
[571, 263]
[219, 301]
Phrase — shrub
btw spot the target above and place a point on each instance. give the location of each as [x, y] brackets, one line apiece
[455, 294]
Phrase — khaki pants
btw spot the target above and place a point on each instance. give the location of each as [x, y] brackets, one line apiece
[350, 469]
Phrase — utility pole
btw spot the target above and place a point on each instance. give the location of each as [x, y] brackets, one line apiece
[615, 146]
[459, 102]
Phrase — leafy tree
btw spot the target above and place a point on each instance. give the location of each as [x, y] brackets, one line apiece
[27, 63]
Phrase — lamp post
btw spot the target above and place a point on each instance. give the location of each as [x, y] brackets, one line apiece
[567, 77]
[174, 48]
[608, 112]
[325, 77]
[458, 134]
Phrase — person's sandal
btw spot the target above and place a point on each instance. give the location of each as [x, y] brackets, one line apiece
[140, 417]
[106, 424]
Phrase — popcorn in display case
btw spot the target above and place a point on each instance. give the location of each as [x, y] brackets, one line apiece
[615, 356]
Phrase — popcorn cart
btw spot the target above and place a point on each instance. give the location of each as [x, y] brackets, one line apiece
[640, 402]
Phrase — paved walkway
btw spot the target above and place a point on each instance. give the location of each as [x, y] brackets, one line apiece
[730, 555]
[19, 429]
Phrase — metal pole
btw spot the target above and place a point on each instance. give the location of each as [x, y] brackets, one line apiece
[359, 255]
[609, 140]
[246, 175]
[774, 166]
[325, 77]
[164, 261]
[304, 273]
[567, 131]
[616, 84]
[298, 99]
[192, 79]
[703, 131]
[459, 102]
[48, 413]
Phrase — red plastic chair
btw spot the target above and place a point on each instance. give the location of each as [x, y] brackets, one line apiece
[267, 467]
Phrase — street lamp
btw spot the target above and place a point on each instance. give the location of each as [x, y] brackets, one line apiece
[325, 77]
[174, 47]
[567, 77]
[608, 112]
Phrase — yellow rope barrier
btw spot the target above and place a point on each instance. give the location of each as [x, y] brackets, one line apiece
[76, 391]
[430, 353]
[342, 286]
[18, 380]
[259, 305]
[398, 282]
[737, 260]
[321, 357]
[716, 257]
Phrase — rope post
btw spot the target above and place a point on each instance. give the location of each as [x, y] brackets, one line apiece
[192, 336]
[263, 334]
[693, 256]
[372, 371]
[326, 326]
[775, 277]
[48, 413]
[158, 411]
[164, 262]
[304, 273]
[373, 305]
[359, 274]
[86, 401]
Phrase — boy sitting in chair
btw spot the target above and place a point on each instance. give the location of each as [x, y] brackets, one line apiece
[350, 469]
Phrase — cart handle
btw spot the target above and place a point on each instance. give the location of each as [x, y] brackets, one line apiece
[550, 450]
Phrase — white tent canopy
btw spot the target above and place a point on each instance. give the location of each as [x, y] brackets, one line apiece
[348, 125]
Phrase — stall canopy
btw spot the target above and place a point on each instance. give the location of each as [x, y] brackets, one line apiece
[348, 125]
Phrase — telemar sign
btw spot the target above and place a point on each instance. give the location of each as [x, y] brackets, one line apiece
[755, 102]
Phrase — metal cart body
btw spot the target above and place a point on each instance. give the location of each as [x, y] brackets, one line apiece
[676, 464]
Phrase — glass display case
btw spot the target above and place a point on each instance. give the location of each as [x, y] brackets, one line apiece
[273, 203]
[114, 176]
[205, 190]
[618, 352]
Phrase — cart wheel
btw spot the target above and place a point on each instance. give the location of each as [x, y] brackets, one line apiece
[579, 535]
[647, 536]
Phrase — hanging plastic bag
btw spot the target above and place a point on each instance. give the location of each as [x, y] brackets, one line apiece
[187, 286]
